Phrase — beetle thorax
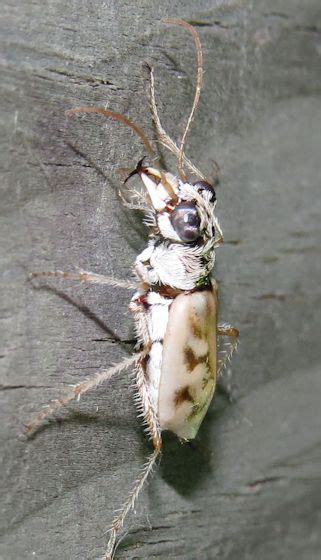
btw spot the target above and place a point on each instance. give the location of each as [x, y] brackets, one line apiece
[183, 232]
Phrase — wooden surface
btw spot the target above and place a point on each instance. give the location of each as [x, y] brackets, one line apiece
[249, 488]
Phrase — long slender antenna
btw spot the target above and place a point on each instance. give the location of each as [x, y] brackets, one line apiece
[162, 135]
[117, 117]
[199, 80]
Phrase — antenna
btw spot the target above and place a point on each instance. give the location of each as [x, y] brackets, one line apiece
[199, 80]
[117, 117]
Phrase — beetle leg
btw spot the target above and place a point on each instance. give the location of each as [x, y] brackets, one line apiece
[230, 347]
[151, 420]
[144, 404]
[129, 504]
[84, 276]
[79, 389]
[154, 431]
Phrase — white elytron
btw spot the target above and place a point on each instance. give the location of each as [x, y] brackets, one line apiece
[175, 303]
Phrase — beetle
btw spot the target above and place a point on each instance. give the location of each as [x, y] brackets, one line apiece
[175, 304]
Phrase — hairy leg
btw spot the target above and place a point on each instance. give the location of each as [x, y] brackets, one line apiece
[118, 521]
[79, 389]
[84, 276]
[229, 347]
[150, 417]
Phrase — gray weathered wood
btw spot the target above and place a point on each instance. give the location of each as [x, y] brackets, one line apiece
[250, 487]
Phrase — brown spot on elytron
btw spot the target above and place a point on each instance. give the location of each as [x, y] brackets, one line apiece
[196, 327]
[182, 396]
[197, 409]
[209, 377]
[192, 360]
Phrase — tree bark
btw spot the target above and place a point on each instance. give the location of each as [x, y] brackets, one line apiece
[249, 486]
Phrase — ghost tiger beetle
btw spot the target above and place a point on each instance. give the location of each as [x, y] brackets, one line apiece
[175, 303]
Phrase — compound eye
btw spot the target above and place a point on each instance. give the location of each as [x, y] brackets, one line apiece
[205, 186]
[186, 221]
